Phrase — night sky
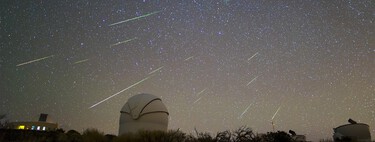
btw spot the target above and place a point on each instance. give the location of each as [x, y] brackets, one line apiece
[217, 65]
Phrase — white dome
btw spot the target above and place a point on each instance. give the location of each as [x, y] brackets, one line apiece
[143, 112]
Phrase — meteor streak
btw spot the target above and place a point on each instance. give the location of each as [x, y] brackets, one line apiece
[156, 70]
[252, 81]
[122, 42]
[275, 113]
[273, 124]
[201, 91]
[244, 111]
[81, 61]
[191, 57]
[131, 86]
[135, 18]
[36, 60]
[199, 94]
[197, 100]
[252, 56]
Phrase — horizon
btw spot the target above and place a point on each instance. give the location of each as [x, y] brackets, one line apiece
[192, 132]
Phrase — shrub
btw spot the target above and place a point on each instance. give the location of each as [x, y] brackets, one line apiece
[279, 136]
[93, 135]
[74, 136]
[152, 136]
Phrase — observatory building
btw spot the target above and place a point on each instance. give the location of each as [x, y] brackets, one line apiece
[297, 138]
[44, 124]
[353, 132]
[143, 112]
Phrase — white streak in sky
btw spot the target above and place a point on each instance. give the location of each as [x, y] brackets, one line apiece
[156, 70]
[81, 61]
[275, 113]
[122, 42]
[252, 56]
[135, 18]
[36, 60]
[120, 91]
[252, 81]
[201, 91]
[191, 57]
[199, 94]
[197, 100]
[244, 111]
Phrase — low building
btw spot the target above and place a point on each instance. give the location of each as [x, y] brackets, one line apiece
[353, 132]
[38, 126]
[41, 125]
[297, 138]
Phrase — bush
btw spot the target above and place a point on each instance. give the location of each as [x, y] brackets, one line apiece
[4, 123]
[243, 134]
[224, 136]
[279, 136]
[74, 136]
[93, 135]
[152, 136]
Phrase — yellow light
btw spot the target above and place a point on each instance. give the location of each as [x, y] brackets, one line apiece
[21, 127]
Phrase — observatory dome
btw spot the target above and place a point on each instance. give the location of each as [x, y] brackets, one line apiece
[354, 132]
[143, 112]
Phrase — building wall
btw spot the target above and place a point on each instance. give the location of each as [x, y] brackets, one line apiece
[38, 126]
[355, 132]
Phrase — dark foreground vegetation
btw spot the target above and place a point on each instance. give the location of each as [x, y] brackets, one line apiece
[242, 134]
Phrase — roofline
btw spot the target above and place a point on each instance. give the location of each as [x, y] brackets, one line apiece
[351, 124]
[32, 122]
[145, 113]
[148, 104]
[140, 113]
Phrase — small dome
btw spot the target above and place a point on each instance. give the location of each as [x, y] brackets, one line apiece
[143, 112]
[356, 131]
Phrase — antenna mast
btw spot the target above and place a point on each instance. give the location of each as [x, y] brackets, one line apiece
[273, 124]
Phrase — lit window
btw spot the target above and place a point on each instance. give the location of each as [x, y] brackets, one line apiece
[44, 128]
[21, 127]
[32, 127]
[38, 128]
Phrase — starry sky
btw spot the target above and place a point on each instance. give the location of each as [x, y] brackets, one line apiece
[216, 64]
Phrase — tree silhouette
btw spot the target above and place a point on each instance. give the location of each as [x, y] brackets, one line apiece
[3, 121]
[204, 136]
[245, 134]
[93, 135]
[279, 136]
[224, 136]
[74, 136]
